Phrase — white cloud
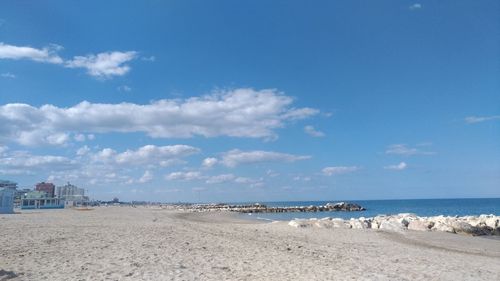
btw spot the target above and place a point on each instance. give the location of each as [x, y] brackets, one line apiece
[124, 88]
[104, 65]
[416, 6]
[8, 75]
[184, 176]
[271, 173]
[301, 178]
[236, 113]
[237, 157]
[47, 54]
[3, 149]
[209, 162]
[249, 181]
[405, 150]
[83, 150]
[479, 119]
[217, 179]
[146, 155]
[220, 179]
[398, 167]
[24, 162]
[147, 177]
[107, 166]
[313, 132]
[150, 58]
[57, 138]
[300, 113]
[79, 137]
[339, 170]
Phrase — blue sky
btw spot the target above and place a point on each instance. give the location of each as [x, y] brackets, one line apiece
[252, 100]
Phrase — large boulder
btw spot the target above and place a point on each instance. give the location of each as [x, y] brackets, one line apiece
[340, 223]
[392, 225]
[360, 223]
[492, 222]
[440, 226]
[466, 228]
[323, 223]
[300, 223]
[420, 225]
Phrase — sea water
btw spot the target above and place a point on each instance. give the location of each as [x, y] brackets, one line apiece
[420, 207]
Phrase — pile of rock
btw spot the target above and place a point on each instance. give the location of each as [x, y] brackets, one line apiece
[261, 208]
[471, 225]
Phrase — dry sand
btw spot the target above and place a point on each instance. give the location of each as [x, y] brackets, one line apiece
[124, 243]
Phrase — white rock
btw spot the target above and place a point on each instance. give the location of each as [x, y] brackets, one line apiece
[359, 224]
[420, 225]
[300, 223]
[492, 222]
[340, 223]
[392, 225]
[440, 226]
[323, 223]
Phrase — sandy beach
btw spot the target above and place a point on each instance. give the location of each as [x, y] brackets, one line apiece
[124, 243]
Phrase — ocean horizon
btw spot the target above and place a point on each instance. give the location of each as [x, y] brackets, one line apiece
[420, 207]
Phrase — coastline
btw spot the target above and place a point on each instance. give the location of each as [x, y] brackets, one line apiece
[124, 243]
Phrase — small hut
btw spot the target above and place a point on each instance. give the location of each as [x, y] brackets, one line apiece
[7, 200]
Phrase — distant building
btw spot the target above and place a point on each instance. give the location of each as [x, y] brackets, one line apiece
[72, 195]
[48, 187]
[40, 200]
[7, 200]
[8, 184]
[20, 194]
[35, 194]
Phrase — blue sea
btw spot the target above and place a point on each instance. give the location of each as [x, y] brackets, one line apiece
[420, 207]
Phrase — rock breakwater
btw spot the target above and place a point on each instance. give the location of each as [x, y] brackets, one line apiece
[261, 208]
[469, 225]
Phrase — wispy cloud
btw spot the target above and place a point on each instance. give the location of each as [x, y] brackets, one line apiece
[416, 6]
[398, 167]
[102, 65]
[405, 150]
[146, 155]
[47, 54]
[221, 179]
[23, 162]
[124, 88]
[237, 157]
[8, 75]
[479, 119]
[234, 113]
[310, 130]
[146, 177]
[132, 166]
[150, 58]
[209, 162]
[184, 176]
[339, 170]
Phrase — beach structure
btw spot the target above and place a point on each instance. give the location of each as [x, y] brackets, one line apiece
[20, 193]
[40, 200]
[8, 184]
[72, 195]
[48, 187]
[6, 200]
